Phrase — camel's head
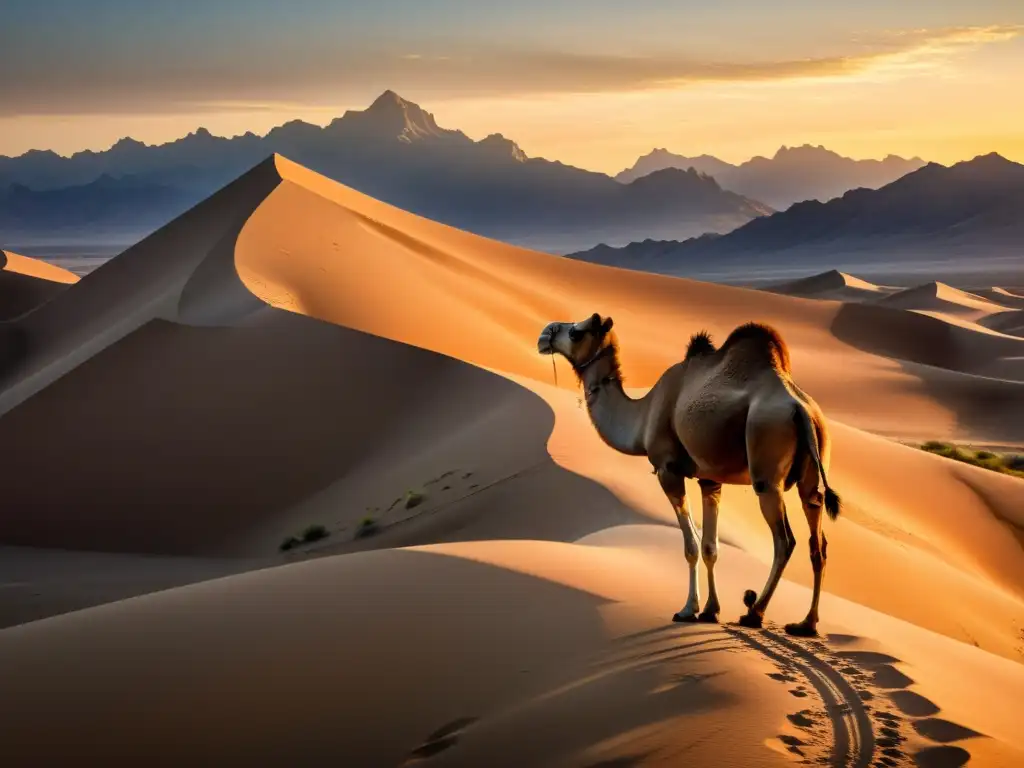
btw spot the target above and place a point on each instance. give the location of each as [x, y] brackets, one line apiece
[578, 342]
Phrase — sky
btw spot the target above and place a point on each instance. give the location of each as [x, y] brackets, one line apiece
[593, 83]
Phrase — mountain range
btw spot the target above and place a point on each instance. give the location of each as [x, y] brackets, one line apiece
[395, 151]
[792, 175]
[969, 210]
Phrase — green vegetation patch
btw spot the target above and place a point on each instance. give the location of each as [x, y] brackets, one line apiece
[311, 534]
[1004, 463]
[367, 527]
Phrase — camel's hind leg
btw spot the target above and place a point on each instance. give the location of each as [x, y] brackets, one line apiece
[674, 487]
[812, 500]
[771, 444]
[711, 493]
[774, 510]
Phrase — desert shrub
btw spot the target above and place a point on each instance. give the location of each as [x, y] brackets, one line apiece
[314, 533]
[1006, 464]
[414, 499]
[290, 543]
[367, 527]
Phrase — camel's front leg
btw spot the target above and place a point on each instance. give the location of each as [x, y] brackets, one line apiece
[710, 493]
[675, 488]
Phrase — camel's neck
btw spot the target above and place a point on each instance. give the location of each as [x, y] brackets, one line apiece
[618, 418]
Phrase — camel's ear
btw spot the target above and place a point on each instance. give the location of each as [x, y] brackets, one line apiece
[595, 320]
[607, 325]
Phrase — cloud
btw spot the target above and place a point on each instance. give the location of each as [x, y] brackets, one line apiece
[170, 80]
[914, 50]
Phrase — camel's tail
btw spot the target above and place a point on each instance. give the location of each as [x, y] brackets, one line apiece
[833, 503]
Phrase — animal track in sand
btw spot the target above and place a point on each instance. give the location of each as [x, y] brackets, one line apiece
[839, 691]
[842, 683]
[443, 738]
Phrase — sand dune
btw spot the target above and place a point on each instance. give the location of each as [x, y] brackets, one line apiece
[979, 311]
[26, 283]
[1010, 322]
[834, 285]
[942, 298]
[291, 352]
[967, 310]
[365, 657]
[1006, 296]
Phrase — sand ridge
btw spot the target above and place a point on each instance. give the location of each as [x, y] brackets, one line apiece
[26, 283]
[943, 298]
[23, 265]
[1009, 297]
[987, 311]
[293, 352]
[833, 285]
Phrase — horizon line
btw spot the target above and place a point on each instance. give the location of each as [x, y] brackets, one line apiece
[322, 126]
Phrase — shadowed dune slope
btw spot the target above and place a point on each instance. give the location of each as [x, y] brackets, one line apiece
[26, 283]
[236, 425]
[291, 352]
[1010, 322]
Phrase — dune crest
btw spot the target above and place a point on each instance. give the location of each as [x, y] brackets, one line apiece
[23, 265]
[832, 285]
[27, 283]
[1005, 295]
[941, 297]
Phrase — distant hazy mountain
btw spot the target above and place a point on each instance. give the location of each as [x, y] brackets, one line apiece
[660, 159]
[971, 209]
[791, 176]
[104, 206]
[394, 151]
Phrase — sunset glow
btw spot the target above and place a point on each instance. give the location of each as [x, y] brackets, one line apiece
[590, 84]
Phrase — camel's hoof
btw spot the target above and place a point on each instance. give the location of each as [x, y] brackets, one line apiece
[708, 617]
[752, 620]
[749, 598]
[803, 629]
[683, 616]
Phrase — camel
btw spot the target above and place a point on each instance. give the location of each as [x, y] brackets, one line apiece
[724, 415]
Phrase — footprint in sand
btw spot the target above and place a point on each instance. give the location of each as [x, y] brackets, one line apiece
[802, 719]
[844, 681]
[793, 744]
[852, 732]
[443, 738]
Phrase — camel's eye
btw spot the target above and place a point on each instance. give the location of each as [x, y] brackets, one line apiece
[575, 334]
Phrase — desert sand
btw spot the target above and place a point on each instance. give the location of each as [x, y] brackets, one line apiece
[834, 285]
[292, 353]
[26, 283]
[940, 298]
